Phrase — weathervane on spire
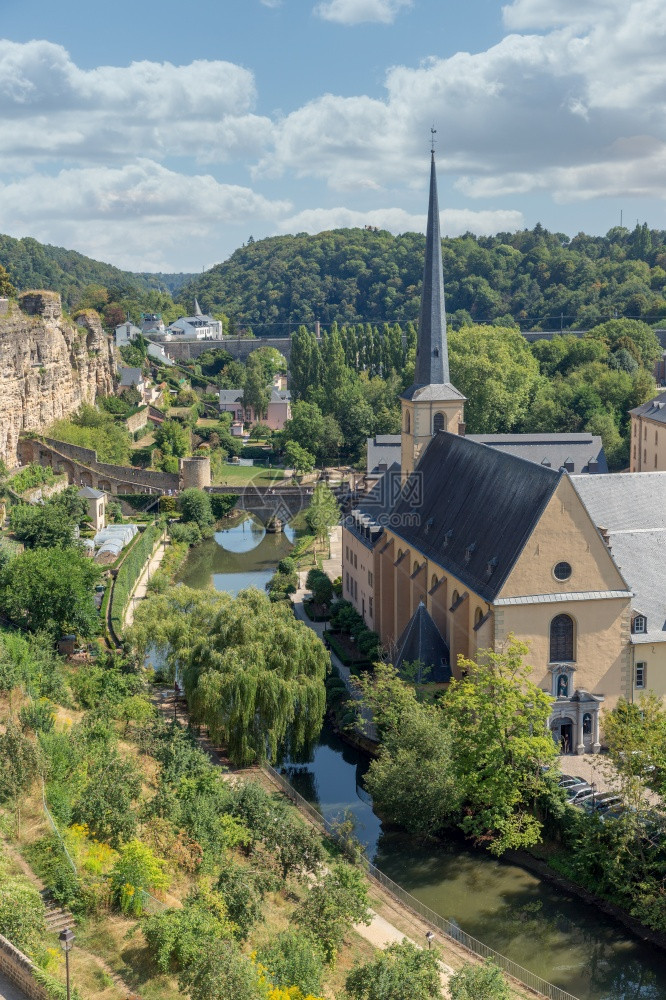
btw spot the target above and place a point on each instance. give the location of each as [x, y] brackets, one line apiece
[433, 133]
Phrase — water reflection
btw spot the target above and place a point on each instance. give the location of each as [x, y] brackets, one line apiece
[242, 555]
[558, 937]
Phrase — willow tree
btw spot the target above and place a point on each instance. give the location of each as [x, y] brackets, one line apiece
[253, 674]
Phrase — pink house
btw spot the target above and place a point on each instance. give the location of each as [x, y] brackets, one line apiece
[279, 408]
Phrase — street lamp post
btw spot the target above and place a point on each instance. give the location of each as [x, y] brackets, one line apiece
[594, 794]
[66, 939]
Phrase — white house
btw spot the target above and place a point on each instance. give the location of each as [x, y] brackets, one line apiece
[125, 333]
[197, 327]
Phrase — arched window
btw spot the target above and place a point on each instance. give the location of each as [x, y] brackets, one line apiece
[454, 597]
[399, 553]
[438, 423]
[563, 686]
[562, 639]
[587, 724]
[416, 566]
[408, 423]
[478, 615]
[434, 581]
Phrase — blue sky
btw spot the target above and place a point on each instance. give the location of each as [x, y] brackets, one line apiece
[160, 136]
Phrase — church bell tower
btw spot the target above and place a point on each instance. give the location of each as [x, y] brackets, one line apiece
[431, 404]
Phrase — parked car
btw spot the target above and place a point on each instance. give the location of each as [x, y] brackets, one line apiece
[600, 802]
[577, 792]
[568, 780]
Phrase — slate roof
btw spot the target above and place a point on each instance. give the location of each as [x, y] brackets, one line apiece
[231, 395]
[90, 494]
[372, 513]
[654, 409]
[423, 641]
[434, 392]
[280, 395]
[472, 509]
[551, 449]
[131, 376]
[632, 509]
[382, 449]
[432, 356]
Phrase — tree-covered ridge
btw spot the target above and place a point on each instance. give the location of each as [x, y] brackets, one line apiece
[537, 278]
[31, 264]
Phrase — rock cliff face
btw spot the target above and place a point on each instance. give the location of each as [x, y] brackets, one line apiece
[48, 366]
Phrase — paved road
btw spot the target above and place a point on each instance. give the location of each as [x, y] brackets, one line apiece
[10, 992]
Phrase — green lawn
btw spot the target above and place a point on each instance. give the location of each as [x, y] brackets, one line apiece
[259, 475]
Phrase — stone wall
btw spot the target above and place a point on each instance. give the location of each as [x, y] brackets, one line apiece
[137, 420]
[49, 366]
[238, 347]
[81, 466]
[19, 969]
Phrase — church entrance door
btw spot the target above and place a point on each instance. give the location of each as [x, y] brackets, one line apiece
[563, 732]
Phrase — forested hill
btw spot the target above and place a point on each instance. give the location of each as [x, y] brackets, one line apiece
[31, 264]
[535, 277]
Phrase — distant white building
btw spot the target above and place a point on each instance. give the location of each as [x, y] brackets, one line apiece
[125, 333]
[197, 327]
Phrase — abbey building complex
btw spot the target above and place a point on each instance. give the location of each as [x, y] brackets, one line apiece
[461, 541]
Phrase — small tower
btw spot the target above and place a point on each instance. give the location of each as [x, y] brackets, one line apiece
[431, 404]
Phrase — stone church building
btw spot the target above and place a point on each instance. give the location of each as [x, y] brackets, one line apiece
[460, 544]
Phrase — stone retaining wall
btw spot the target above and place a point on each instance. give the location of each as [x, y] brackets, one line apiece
[137, 420]
[19, 969]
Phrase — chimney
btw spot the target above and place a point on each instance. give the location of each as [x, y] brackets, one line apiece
[461, 428]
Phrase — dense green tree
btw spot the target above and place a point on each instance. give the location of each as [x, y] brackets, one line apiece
[256, 391]
[20, 766]
[6, 287]
[322, 513]
[50, 589]
[498, 374]
[195, 506]
[305, 365]
[106, 803]
[337, 901]
[479, 982]
[51, 523]
[136, 873]
[253, 674]
[293, 959]
[221, 971]
[96, 429]
[172, 438]
[402, 970]
[21, 912]
[413, 780]
[497, 720]
[297, 458]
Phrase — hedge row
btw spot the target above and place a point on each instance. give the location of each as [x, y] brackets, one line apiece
[129, 573]
[342, 654]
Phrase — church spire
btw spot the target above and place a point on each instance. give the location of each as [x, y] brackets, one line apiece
[432, 354]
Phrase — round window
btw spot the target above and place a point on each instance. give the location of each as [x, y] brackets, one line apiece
[562, 571]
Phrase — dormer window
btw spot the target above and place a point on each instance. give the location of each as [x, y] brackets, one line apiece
[491, 566]
[448, 536]
[639, 624]
[469, 551]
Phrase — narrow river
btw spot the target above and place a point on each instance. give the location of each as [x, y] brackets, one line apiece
[558, 937]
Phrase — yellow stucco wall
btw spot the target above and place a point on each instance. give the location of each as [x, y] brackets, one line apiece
[653, 655]
[648, 445]
[358, 576]
[417, 427]
[564, 533]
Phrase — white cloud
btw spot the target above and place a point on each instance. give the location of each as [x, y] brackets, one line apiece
[454, 222]
[134, 215]
[52, 109]
[271, 3]
[556, 111]
[359, 11]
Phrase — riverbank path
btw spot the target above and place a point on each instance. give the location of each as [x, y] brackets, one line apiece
[141, 588]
